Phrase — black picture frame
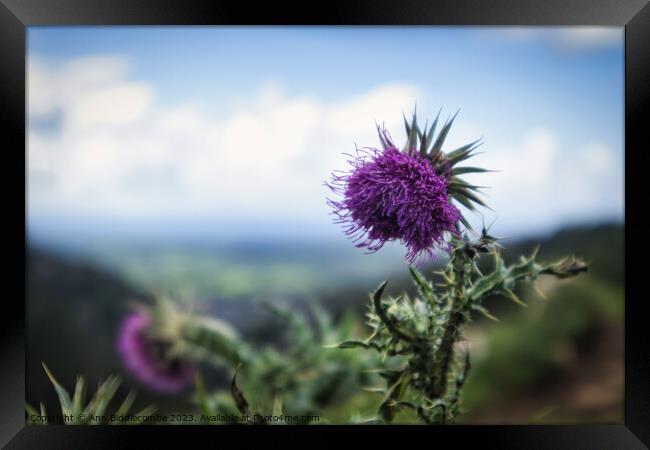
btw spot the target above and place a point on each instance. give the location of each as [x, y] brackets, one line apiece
[17, 15]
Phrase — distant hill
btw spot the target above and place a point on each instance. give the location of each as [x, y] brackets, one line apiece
[602, 245]
[74, 306]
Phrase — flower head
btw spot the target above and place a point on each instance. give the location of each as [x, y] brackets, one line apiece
[149, 359]
[391, 195]
[405, 195]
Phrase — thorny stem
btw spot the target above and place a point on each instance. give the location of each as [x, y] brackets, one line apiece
[458, 266]
[452, 326]
[431, 350]
[445, 354]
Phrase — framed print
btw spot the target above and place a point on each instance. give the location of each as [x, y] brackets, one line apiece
[376, 218]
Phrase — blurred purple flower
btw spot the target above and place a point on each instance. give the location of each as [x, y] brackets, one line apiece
[148, 359]
[390, 195]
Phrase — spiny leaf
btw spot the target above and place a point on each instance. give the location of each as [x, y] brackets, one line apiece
[432, 130]
[238, 395]
[103, 396]
[405, 404]
[31, 412]
[464, 221]
[374, 390]
[465, 202]
[478, 308]
[277, 406]
[144, 413]
[79, 395]
[30, 409]
[390, 375]
[64, 397]
[457, 182]
[412, 132]
[468, 169]
[508, 293]
[539, 291]
[462, 153]
[390, 323]
[406, 125]
[424, 143]
[458, 191]
[382, 138]
[125, 407]
[386, 409]
[422, 283]
[486, 284]
[566, 268]
[440, 140]
[354, 344]
[201, 397]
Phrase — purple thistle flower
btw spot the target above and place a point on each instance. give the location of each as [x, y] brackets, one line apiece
[389, 195]
[148, 359]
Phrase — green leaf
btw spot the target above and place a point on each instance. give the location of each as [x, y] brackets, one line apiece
[462, 153]
[464, 221]
[277, 406]
[30, 409]
[478, 308]
[144, 412]
[201, 397]
[424, 143]
[467, 169]
[354, 344]
[432, 130]
[376, 298]
[440, 140]
[405, 404]
[406, 125]
[125, 407]
[412, 132]
[79, 396]
[486, 284]
[387, 410]
[64, 397]
[462, 192]
[238, 395]
[374, 390]
[465, 202]
[566, 268]
[504, 291]
[382, 139]
[390, 322]
[422, 283]
[103, 396]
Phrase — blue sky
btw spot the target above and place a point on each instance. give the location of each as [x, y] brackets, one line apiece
[234, 129]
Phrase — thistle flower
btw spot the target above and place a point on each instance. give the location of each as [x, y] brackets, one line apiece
[405, 195]
[149, 359]
[392, 195]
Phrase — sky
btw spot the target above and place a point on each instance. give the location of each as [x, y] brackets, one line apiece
[233, 130]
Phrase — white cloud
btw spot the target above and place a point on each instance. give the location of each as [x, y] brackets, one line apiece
[120, 152]
[541, 183]
[113, 105]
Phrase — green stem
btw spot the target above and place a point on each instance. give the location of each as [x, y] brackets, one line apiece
[445, 354]
[451, 334]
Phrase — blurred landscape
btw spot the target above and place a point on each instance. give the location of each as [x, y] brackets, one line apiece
[558, 361]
